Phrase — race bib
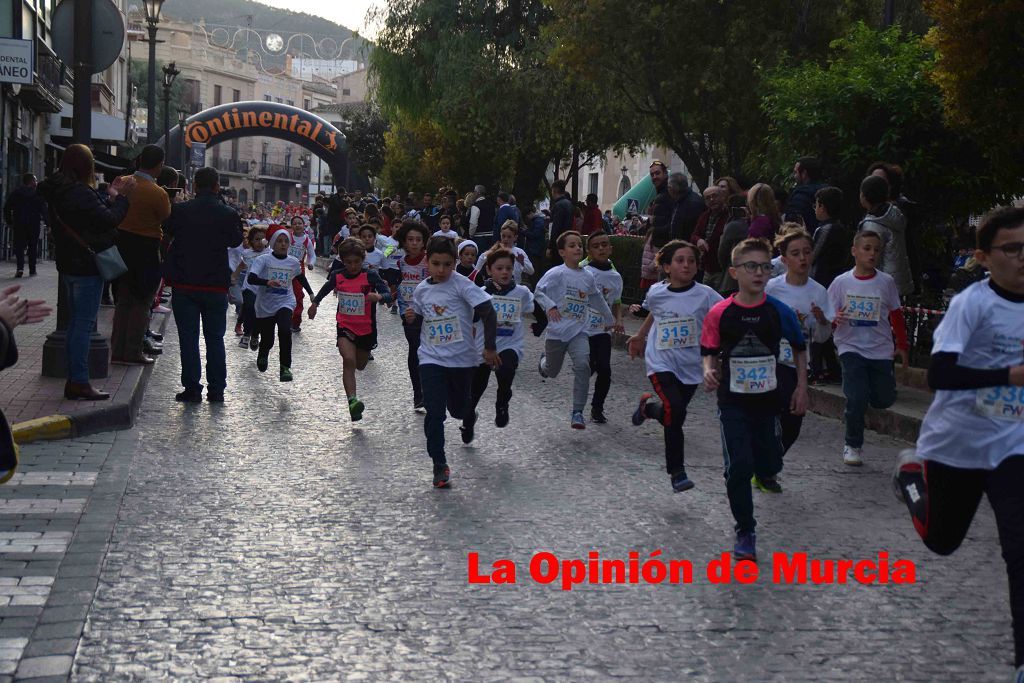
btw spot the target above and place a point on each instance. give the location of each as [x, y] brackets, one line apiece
[443, 331]
[298, 251]
[574, 308]
[863, 310]
[350, 303]
[1002, 403]
[406, 289]
[752, 375]
[281, 275]
[594, 319]
[676, 333]
[786, 353]
[508, 309]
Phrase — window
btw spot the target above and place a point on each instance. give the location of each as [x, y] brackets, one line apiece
[592, 183]
[268, 98]
[243, 196]
[306, 104]
[290, 103]
[217, 95]
[279, 100]
[236, 95]
[346, 91]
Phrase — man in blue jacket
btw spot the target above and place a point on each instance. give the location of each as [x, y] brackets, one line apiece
[807, 172]
[202, 230]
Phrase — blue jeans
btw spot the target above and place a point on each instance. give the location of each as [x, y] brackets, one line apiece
[751, 444]
[189, 308]
[83, 293]
[445, 390]
[865, 382]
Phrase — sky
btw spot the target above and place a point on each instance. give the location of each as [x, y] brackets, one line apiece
[348, 13]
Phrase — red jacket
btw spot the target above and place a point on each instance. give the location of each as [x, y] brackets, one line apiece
[592, 220]
[710, 258]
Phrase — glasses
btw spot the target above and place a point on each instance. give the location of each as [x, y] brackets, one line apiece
[754, 266]
[1011, 250]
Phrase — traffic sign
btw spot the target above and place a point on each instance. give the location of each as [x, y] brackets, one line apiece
[633, 206]
[198, 154]
[108, 33]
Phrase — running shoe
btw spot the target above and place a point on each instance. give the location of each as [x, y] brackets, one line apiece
[286, 375]
[767, 484]
[261, 362]
[911, 487]
[577, 420]
[238, 329]
[244, 342]
[681, 482]
[852, 456]
[355, 409]
[254, 342]
[501, 416]
[441, 476]
[394, 310]
[639, 415]
[745, 546]
[417, 404]
[540, 366]
[296, 329]
[467, 428]
[597, 416]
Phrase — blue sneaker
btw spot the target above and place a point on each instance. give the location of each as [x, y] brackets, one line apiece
[639, 415]
[681, 482]
[744, 548]
[577, 420]
[540, 366]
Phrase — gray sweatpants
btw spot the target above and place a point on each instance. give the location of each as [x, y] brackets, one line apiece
[579, 350]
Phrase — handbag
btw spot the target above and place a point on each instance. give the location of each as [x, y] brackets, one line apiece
[108, 262]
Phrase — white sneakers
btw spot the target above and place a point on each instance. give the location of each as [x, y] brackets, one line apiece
[851, 456]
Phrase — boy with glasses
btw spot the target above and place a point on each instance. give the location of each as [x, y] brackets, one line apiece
[739, 344]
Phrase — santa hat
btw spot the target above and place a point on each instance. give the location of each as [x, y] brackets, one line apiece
[273, 232]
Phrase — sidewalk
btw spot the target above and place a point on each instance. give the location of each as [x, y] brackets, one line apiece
[35, 405]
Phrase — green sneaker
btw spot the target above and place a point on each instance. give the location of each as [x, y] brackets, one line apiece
[286, 375]
[355, 409]
[261, 362]
[767, 484]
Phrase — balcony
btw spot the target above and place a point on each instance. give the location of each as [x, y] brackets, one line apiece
[234, 166]
[51, 77]
[282, 172]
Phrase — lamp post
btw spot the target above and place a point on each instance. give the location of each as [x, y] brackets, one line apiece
[182, 118]
[304, 165]
[170, 73]
[152, 19]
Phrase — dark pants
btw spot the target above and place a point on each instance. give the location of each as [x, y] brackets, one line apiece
[601, 364]
[26, 238]
[131, 319]
[249, 313]
[505, 374]
[190, 308]
[824, 361]
[412, 336]
[790, 424]
[282, 320]
[671, 413]
[953, 497]
[750, 445]
[445, 390]
[865, 382]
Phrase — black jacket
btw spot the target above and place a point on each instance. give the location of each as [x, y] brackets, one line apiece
[25, 208]
[202, 230]
[561, 221]
[8, 357]
[89, 213]
[831, 252]
[686, 212]
[801, 201]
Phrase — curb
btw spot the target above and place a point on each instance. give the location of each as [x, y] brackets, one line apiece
[887, 421]
[43, 429]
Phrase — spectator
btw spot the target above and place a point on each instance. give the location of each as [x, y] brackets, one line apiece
[429, 214]
[481, 219]
[911, 212]
[660, 210]
[708, 234]
[764, 212]
[517, 215]
[592, 219]
[203, 229]
[83, 223]
[735, 231]
[506, 212]
[831, 244]
[561, 219]
[687, 206]
[888, 221]
[731, 186]
[24, 212]
[807, 172]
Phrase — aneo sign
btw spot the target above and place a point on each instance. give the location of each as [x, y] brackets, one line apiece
[16, 61]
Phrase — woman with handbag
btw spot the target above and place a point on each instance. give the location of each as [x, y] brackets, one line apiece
[84, 224]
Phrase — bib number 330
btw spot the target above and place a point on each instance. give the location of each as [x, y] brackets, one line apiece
[1002, 403]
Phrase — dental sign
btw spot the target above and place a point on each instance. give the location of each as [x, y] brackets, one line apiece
[16, 61]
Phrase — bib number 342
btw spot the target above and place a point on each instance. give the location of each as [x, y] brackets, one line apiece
[752, 375]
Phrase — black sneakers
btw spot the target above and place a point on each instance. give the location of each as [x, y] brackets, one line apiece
[189, 396]
[501, 416]
[441, 476]
[681, 482]
[597, 416]
[467, 428]
[911, 487]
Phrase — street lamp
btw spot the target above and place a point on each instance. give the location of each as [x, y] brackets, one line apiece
[170, 73]
[152, 8]
[182, 118]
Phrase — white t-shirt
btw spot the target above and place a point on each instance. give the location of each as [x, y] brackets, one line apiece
[517, 268]
[412, 275]
[509, 309]
[573, 292]
[868, 302]
[610, 283]
[269, 300]
[977, 428]
[249, 257]
[374, 260]
[673, 343]
[446, 337]
[778, 267]
[450, 234]
[302, 249]
[389, 249]
[800, 298]
[235, 256]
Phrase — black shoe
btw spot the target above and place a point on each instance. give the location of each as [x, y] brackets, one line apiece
[597, 416]
[20, 273]
[151, 348]
[32, 273]
[441, 476]
[369, 357]
[155, 336]
[537, 329]
[189, 396]
[296, 329]
[214, 398]
[106, 301]
[681, 482]
[467, 428]
[501, 416]
[417, 404]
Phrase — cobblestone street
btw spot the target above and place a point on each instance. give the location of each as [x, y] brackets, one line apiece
[270, 539]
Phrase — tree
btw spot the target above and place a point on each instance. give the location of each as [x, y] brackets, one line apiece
[696, 92]
[978, 69]
[874, 101]
[364, 128]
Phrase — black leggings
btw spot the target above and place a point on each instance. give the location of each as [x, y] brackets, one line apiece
[671, 413]
[953, 497]
[601, 363]
[789, 423]
[505, 374]
[412, 336]
[283, 321]
[249, 313]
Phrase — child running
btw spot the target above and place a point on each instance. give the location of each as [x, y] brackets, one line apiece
[444, 228]
[305, 253]
[235, 290]
[609, 282]
[273, 274]
[677, 308]
[412, 264]
[444, 306]
[467, 258]
[374, 256]
[509, 233]
[972, 437]
[868, 316]
[257, 246]
[567, 292]
[510, 301]
[358, 293]
[739, 344]
[809, 301]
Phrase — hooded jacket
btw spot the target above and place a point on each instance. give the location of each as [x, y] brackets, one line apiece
[891, 225]
[88, 213]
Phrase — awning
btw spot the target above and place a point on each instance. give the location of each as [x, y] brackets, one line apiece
[106, 163]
